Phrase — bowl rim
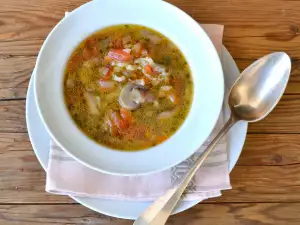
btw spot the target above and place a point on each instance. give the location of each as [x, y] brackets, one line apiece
[81, 8]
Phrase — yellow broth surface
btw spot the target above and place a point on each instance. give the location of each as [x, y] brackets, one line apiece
[128, 87]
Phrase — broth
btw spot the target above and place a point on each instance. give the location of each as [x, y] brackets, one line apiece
[128, 87]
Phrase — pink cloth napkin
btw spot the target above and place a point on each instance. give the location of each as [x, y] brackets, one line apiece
[66, 176]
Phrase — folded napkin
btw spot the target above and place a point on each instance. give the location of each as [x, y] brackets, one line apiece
[66, 176]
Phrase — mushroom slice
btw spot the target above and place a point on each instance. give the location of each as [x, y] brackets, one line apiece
[132, 96]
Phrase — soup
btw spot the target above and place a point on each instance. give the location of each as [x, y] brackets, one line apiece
[128, 87]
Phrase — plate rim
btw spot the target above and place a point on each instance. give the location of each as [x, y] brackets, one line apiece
[83, 201]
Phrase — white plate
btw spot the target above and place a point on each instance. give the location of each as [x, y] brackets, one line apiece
[195, 45]
[40, 140]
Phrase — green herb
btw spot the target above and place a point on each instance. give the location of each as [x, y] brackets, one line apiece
[167, 60]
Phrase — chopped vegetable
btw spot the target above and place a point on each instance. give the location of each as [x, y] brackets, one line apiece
[131, 67]
[70, 83]
[119, 78]
[137, 49]
[126, 115]
[126, 40]
[173, 98]
[151, 36]
[109, 125]
[106, 85]
[119, 55]
[120, 123]
[160, 139]
[93, 103]
[105, 73]
[136, 96]
[127, 50]
[148, 69]
[140, 82]
[149, 97]
[166, 114]
[87, 53]
[166, 88]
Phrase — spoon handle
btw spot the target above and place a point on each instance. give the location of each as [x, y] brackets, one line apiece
[159, 211]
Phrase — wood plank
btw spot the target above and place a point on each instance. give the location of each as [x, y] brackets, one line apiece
[12, 116]
[15, 73]
[263, 184]
[256, 47]
[284, 119]
[22, 179]
[237, 214]
[270, 150]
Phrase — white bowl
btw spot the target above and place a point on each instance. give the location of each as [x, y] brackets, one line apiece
[168, 20]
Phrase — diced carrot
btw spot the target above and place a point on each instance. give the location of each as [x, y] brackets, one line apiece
[90, 42]
[107, 59]
[121, 123]
[126, 115]
[119, 55]
[87, 53]
[147, 80]
[148, 69]
[173, 98]
[160, 139]
[74, 62]
[107, 73]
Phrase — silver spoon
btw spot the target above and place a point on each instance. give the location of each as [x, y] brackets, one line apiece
[252, 97]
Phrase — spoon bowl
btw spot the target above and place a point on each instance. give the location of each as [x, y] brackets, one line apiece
[259, 87]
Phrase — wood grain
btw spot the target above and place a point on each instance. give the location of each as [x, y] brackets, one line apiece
[284, 119]
[12, 116]
[22, 179]
[263, 184]
[270, 150]
[15, 73]
[204, 214]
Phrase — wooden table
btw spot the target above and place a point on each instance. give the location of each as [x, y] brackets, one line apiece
[266, 181]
